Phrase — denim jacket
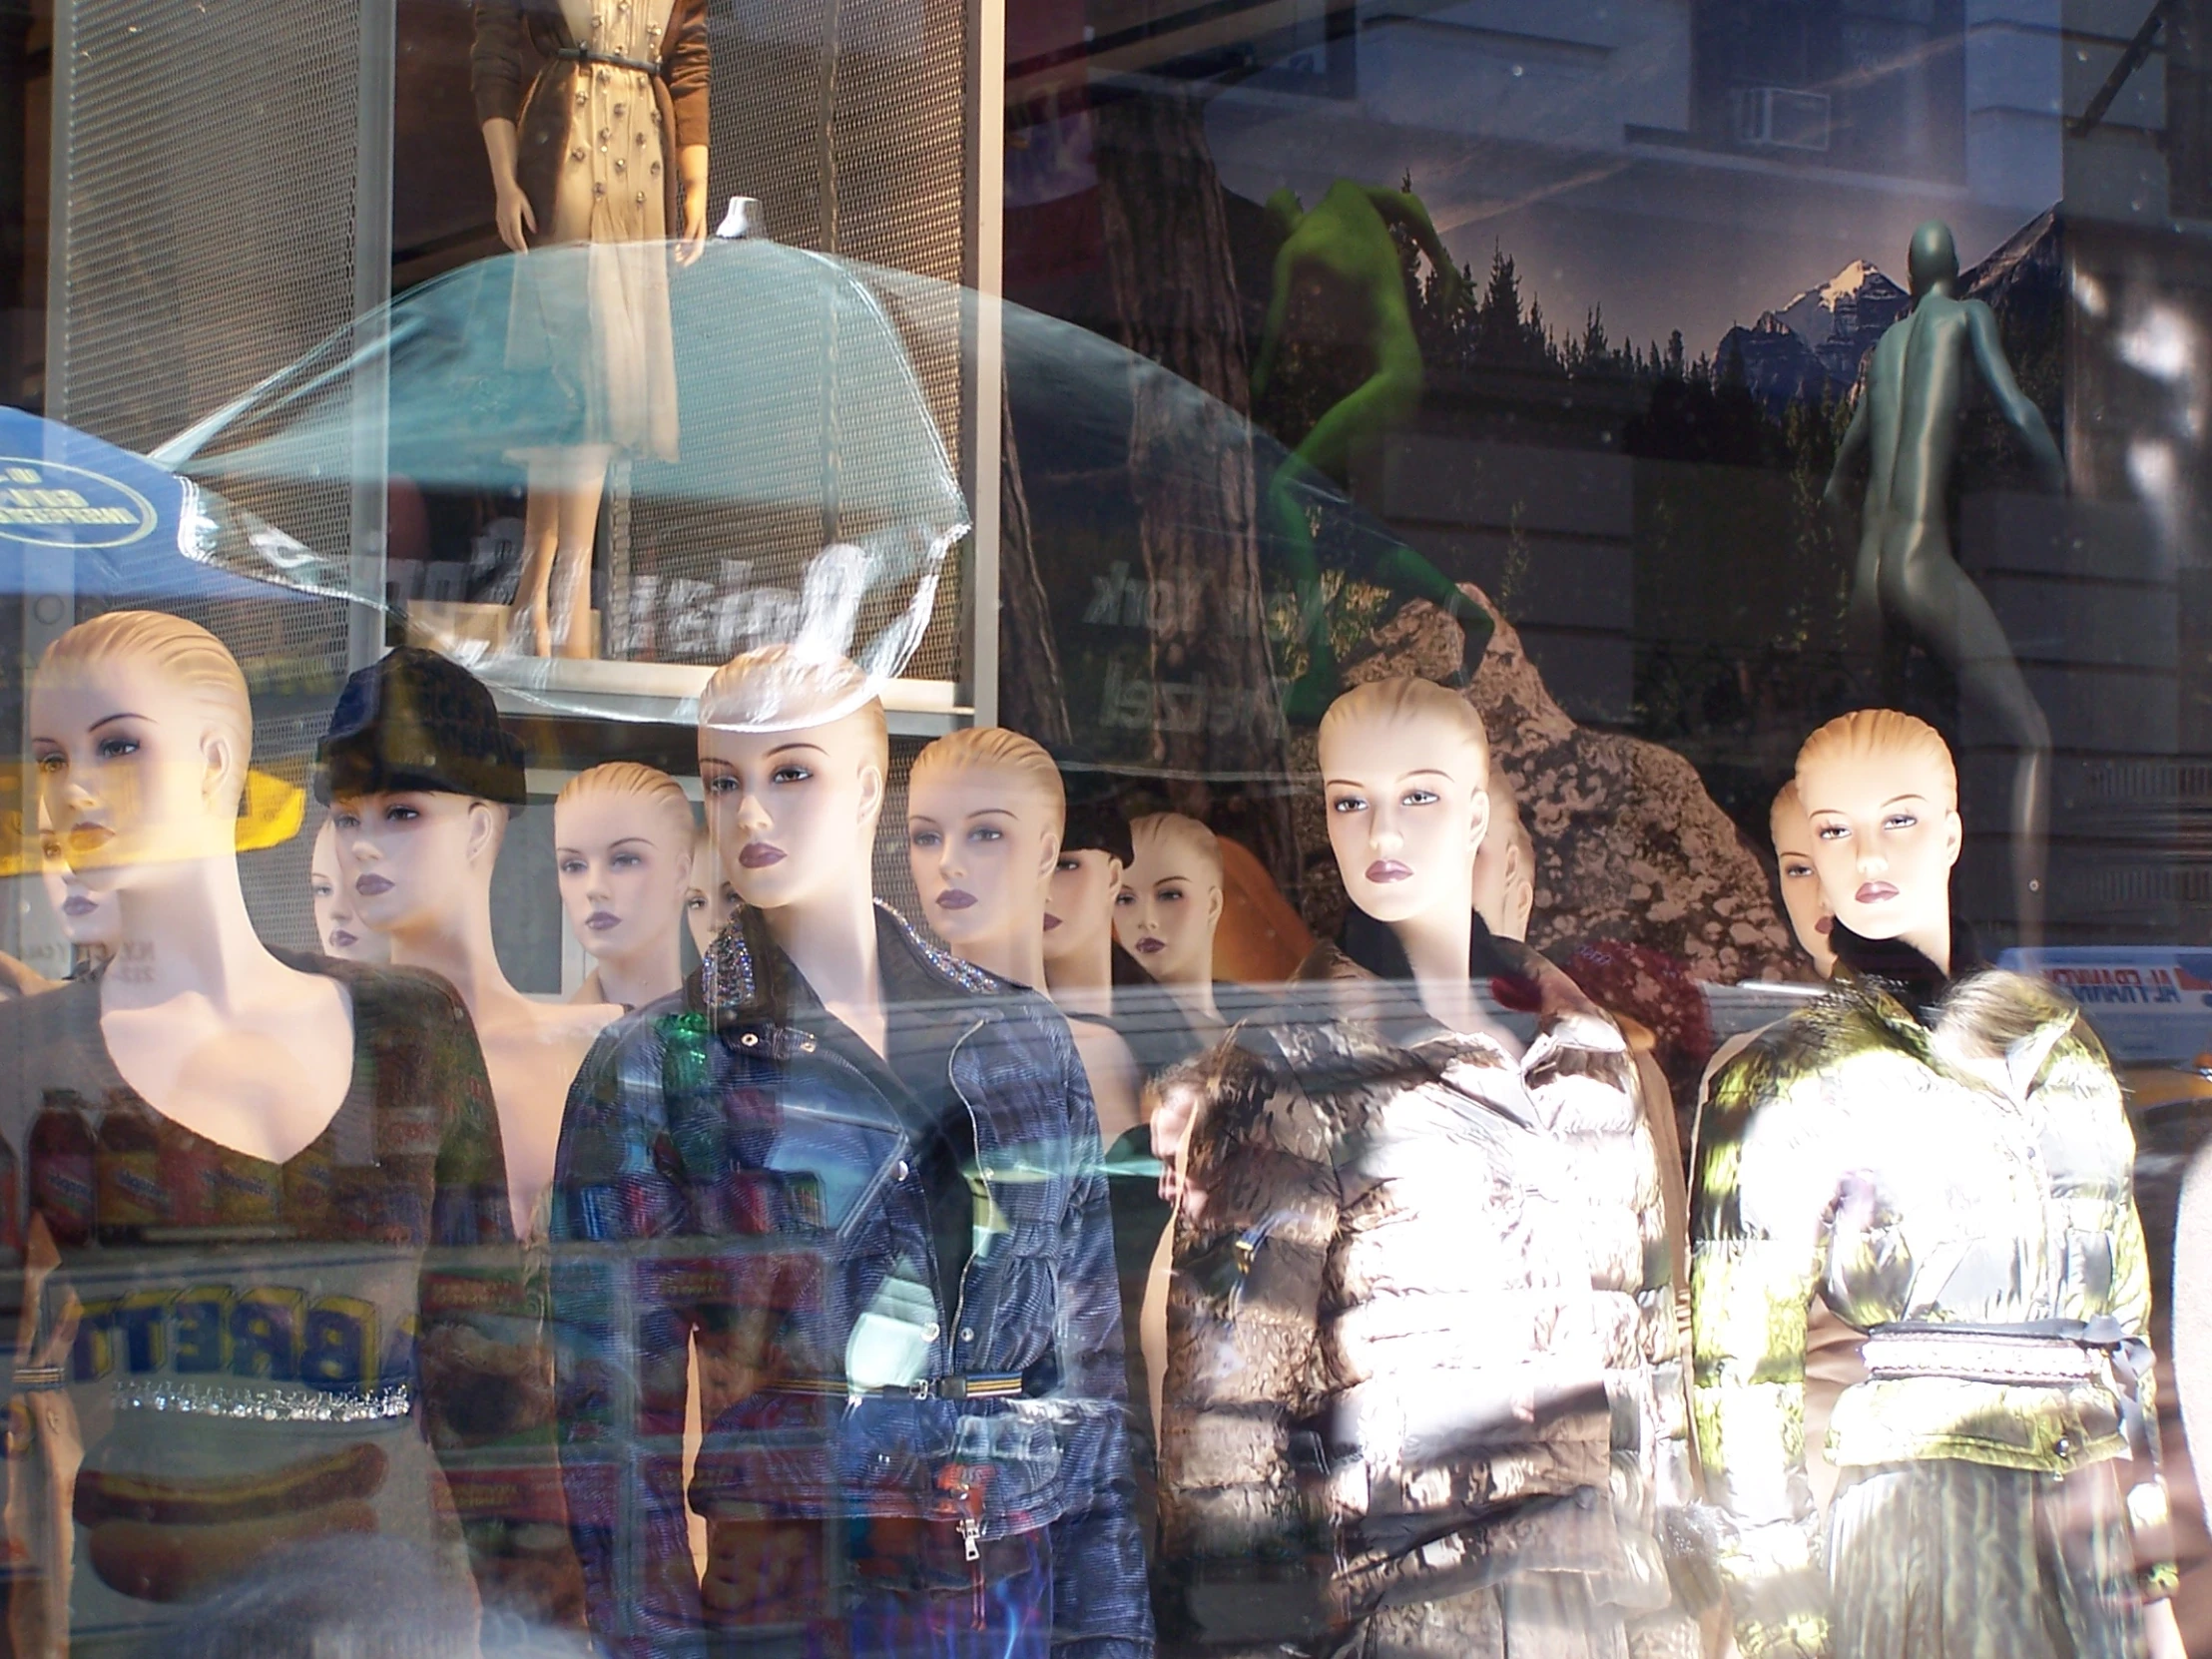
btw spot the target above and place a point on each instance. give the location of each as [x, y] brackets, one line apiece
[725, 1175]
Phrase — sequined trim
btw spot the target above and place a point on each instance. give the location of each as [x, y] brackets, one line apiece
[263, 1402]
[727, 982]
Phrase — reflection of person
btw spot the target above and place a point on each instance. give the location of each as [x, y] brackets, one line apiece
[1811, 915]
[1906, 428]
[857, 1143]
[1168, 907]
[621, 844]
[1420, 1329]
[338, 929]
[607, 149]
[984, 805]
[299, 1156]
[1343, 253]
[1943, 1157]
[421, 782]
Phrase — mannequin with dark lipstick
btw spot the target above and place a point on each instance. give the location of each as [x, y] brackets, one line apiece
[422, 782]
[1167, 910]
[881, 1163]
[621, 844]
[339, 928]
[1422, 1386]
[1941, 1156]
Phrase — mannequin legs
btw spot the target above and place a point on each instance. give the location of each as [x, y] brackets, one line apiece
[552, 609]
[1923, 591]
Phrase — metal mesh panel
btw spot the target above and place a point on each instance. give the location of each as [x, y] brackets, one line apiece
[208, 163]
[847, 119]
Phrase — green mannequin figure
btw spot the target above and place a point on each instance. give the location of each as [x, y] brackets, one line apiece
[1906, 427]
[1343, 249]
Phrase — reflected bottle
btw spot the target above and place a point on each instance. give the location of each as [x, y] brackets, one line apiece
[128, 1180]
[63, 1163]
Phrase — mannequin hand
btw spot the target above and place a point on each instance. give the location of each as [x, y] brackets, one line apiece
[692, 161]
[517, 224]
[2163, 1630]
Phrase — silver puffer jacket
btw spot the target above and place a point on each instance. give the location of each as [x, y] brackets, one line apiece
[1420, 1333]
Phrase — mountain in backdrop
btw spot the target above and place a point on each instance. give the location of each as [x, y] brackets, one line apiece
[1815, 346]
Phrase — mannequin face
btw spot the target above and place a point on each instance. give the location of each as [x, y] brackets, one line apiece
[419, 857]
[1885, 838]
[710, 902]
[1407, 802]
[134, 775]
[793, 813]
[981, 848]
[1079, 904]
[337, 922]
[623, 872]
[1168, 905]
[1809, 914]
[86, 918]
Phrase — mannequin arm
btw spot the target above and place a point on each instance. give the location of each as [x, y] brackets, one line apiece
[1847, 452]
[2019, 412]
[1403, 208]
[2192, 1314]
[1278, 307]
[1098, 1597]
[517, 224]
[692, 161]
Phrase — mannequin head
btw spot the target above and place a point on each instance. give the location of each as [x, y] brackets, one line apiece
[89, 920]
[1095, 854]
[1170, 898]
[793, 799]
[338, 929]
[1406, 769]
[1883, 797]
[621, 844]
[1505, 864]
[1931, 258]
[985, 811]
[141, 731]
[421, 781]
[710, 902]
[1807, 906]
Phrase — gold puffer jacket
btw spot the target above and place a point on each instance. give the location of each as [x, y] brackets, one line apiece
[1420, 1331]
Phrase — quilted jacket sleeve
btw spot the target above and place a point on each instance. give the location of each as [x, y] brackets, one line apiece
[1253, 1237]
[1750, 1291]
[1100, 1609]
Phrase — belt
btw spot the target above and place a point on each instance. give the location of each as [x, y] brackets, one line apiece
[2025, 1355]
[612, 60]
[991, 1385]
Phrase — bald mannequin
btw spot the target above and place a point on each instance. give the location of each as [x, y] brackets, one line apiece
[1168, 910]
[1504, 886]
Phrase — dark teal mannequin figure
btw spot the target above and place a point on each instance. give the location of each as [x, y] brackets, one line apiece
[1343, 246]
[1905, 426]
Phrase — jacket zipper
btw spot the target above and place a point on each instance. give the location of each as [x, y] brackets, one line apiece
[971, 1498]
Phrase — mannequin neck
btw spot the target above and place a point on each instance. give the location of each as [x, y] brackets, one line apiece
[1082, 980]
[1435, 944]
[456, 946]
[654, 970]
[189, 935]
[832, 941]
[1017, 955]
[1196, 998]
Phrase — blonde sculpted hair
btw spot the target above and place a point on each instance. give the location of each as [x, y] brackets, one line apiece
[1407, 699]
[660, 794]
[776, 688]
[189, 657]
[993, 746]
[1158, 825]
[1866, 732]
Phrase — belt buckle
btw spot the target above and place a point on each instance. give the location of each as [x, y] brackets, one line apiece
[919, 1389]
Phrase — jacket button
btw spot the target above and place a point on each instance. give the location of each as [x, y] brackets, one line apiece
[751, 1040]
[2064, 1446]
[930, 1330]
[807, 1047]
[968, 1333]
[900, 1173]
